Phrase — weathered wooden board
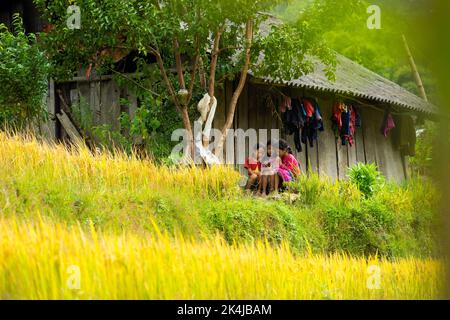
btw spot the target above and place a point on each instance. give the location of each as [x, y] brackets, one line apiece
[351, 154]
[95, 101]
[69, 127]
[359, 145]
[395, 162]
[229, 147]
[390, 159]
[243, 146]
[252, 110]
[84, 91]
[326, 142]
[110, 107]
[49, 128]
[342, 159]
[313, 157]
[300, 156]
[381, 143]
[370, 131]
[242, 110]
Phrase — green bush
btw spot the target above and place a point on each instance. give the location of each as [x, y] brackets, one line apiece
[359, 228]
[24, 73]
[366, 177]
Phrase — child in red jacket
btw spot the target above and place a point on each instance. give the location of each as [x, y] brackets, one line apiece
[253, 166]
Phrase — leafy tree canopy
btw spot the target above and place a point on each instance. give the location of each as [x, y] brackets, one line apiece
[149, 26]
[196, 43]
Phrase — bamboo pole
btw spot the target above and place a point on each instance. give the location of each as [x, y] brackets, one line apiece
[417, 77]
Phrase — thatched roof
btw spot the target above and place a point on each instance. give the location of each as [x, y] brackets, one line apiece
[354, 80]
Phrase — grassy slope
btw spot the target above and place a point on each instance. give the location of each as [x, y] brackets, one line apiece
[133, 230]
[117, 194]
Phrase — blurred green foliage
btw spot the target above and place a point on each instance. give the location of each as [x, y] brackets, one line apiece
[23, 77]
[381, 51]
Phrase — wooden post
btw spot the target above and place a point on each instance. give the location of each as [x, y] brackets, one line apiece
[69, 127]
[417, 77]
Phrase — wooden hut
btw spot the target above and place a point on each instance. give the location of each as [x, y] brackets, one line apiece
[372, 95]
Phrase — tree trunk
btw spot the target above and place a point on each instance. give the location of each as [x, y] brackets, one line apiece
[182, 109]
[212, 83]
[238, 91]
[190, 151]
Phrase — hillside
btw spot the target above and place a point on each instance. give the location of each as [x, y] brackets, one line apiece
[78, 225]
[116, 193]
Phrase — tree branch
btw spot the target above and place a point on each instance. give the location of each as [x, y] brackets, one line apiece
[167, 82]
[179, 64]
[214, 58]
[242, 80]
[229, 48]
[194, 69]
[133, 81]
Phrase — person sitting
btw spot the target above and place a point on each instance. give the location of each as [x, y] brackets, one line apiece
[269, 176]
[253, 166]
[289, 168]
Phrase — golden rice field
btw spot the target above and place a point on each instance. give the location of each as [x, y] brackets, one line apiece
[40, 260]
[43, 256]
[55, 164]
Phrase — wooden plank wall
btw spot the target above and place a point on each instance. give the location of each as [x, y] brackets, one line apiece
[103, 96]
[381, 150]
[328, 156]
[327, 141]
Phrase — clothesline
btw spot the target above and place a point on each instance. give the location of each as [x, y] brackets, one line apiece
[272, 88]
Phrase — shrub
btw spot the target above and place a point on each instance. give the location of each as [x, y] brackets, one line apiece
[359, 228]
[23, 77]
[366, 177]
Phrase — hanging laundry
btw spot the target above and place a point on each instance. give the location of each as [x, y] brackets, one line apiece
[346, 134]
[336, 118]
[308, 107]
[345, 119]
[303, 120]
[313, 121]
[286, 104]
[388, 124]
[293, 122]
